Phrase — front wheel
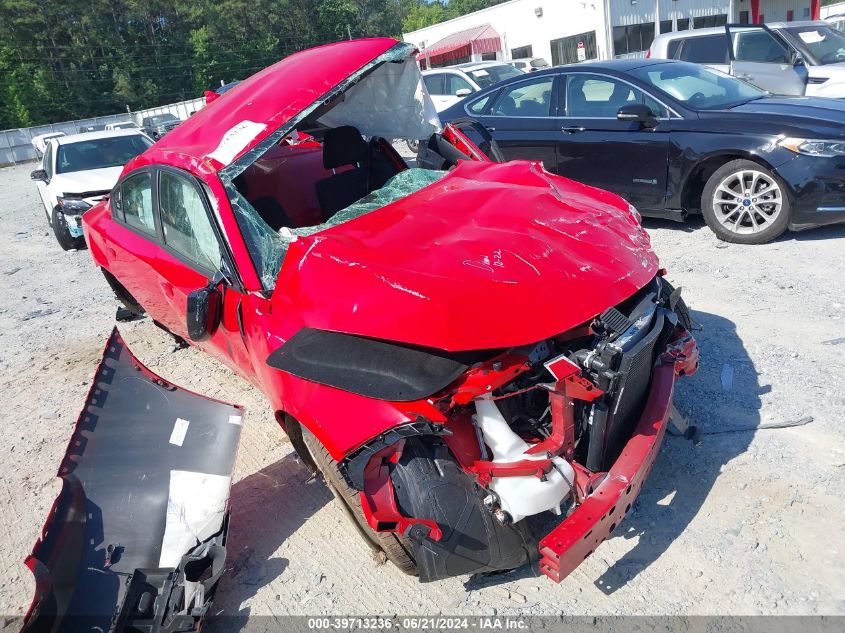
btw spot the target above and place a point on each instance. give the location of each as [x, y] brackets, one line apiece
[413, 145]
[62, 233]
[745, 203]
[396, 547]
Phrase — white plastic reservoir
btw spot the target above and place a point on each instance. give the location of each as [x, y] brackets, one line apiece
[520, 496]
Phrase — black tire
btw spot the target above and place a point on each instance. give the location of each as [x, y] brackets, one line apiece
[396, 547]
[62, 233]
[711, 210]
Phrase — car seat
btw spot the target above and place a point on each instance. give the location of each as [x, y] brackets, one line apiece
[506, 106]
[344, 146]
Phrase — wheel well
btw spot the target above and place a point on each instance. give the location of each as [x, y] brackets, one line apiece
[694, 185]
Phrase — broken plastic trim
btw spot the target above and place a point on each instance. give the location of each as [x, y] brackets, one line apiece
[136, 539]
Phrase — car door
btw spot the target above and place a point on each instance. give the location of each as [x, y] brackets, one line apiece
[521, 120]
[47, 166]
[760, 57]
[595, 147]
[192, 252]
[435, 84]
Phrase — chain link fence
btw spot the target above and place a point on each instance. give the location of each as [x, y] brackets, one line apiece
[16, 144]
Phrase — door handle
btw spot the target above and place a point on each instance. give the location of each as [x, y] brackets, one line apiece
[490, 129]
[572, 130]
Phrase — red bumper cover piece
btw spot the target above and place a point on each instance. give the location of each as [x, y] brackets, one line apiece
[566, 547]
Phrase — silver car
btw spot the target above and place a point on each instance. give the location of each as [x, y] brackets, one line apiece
[791, 58]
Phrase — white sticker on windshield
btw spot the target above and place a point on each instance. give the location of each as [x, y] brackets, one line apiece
[811, 37]
[480, 73]
[235, 140]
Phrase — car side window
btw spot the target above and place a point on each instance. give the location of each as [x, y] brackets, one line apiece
[705, 49]
[758, 45]
[48, 160]
[434, 84]
[135, 202]
[530, 98]
[186, 225]
[591, 96]
[479, 105]
[455, 83]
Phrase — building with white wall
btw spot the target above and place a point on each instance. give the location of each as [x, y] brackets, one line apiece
[566, 31]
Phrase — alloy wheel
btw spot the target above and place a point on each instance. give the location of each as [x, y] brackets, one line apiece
[747, 201]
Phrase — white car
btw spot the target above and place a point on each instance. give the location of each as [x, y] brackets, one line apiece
[123, 125]
[79, 170]
[450, 84]
[39, 142]
[789, 58]
[529, 64]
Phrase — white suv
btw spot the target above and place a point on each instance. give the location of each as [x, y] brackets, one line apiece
[450, 84]
[793, 58]
[79, 170]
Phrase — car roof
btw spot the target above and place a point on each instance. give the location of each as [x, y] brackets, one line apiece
[618, 65]
[676, 35]
[476, 65]
[93, 136]
[783, 25]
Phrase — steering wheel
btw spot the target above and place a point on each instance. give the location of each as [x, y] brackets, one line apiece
[698, 96]
[833, 56]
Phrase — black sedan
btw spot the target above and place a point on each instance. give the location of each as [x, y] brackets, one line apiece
[675, 138]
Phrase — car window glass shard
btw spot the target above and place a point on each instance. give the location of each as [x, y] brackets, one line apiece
[399, 186]
[135, 510]
[266, 248]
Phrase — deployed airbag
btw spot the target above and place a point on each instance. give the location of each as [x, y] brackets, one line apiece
[136, 538]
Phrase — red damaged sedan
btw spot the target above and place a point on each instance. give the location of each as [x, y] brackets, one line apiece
[456, 351]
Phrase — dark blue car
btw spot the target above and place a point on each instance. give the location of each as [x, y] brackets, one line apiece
[674, 139]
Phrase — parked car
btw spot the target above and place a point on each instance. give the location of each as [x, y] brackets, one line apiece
[39, 142]
[79, 170]
[394, 317]
[837, 21]
[122, 125]
[792, 58]
[158, 125]
[674, 139]
[530, 64]
[450, 84]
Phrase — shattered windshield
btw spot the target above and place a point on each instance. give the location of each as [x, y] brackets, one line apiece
[268, 246]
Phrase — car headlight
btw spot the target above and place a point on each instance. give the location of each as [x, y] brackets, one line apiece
[73, 206]
[813, 147]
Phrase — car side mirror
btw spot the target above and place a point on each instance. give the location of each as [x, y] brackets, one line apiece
[203, 312]
[39, 174]
[463, 92]
[796, 59]
[637, 113]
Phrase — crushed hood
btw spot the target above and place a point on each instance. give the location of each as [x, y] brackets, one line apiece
[492, 255]
[85, 181]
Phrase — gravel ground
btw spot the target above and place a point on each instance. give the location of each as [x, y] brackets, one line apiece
[743, 523]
